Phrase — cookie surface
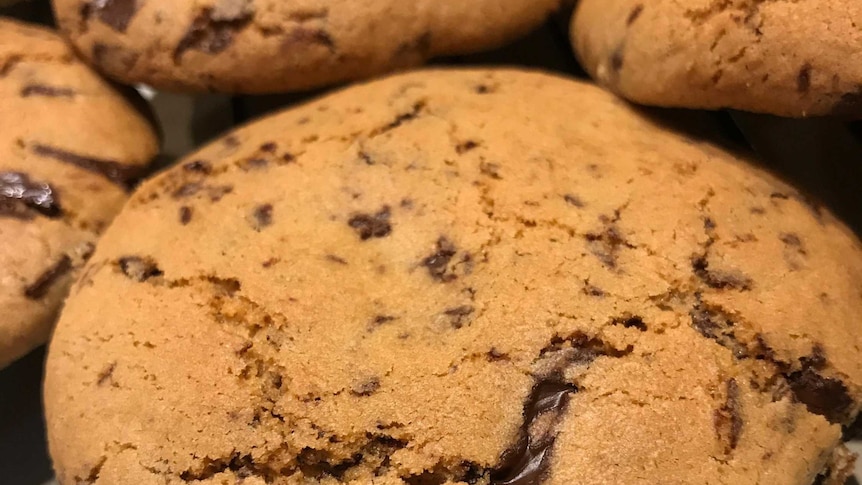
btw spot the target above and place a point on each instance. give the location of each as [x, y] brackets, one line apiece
[259, 46]
[417, 280]
[795, 59]
[69, 144]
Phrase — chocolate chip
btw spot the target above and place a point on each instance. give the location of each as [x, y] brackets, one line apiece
[466, 146]
[261, 217]
[490, 169]
[125, 175]
[336, 259]
[365, 157]
[635, 13]
[577, 349]
[826, 396]
[366, 387]
[288, 158]
[198, 166]
[593, 290]
[139, 268]
[185, 215]
[631, 322]
[46, 280]
[31, 90]
[187, 190]
[269, 147]
[399, 120]
[528, 460]
[369, 226]
[269, 263]
[484, 89]
[790, 239]
[719, 279]
[573, 200]
[382, 319]
[438, 263]
[715, 324]
[117, 14]
[728, 418]
[211, 32]
[21, 197]
[803, 79]
[607, 244]
[106, 374]
[458, 316]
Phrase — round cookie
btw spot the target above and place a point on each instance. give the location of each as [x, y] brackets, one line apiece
[795, 59]
[444, 277]
[70, 144]
[265, 46]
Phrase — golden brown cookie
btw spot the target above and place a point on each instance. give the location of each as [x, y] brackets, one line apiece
[446, 277]
[789, 58]
[70, 144]
[264, 46]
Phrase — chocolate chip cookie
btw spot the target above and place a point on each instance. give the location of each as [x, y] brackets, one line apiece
[789, 58]
[261, 46]
[445, 277]
[71, 145]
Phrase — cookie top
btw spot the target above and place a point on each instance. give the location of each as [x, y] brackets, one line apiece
[260, 46]
[786, 58]
[69, 146]
[445, 277]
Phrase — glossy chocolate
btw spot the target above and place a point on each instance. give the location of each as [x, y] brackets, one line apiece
[527, 462]
[23, 198]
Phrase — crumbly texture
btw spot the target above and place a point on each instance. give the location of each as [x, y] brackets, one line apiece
[69, 143]
[263, 46]
[791, 58]
[417, 280]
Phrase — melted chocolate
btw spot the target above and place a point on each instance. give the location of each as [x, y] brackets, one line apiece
[46, 280]
[20, 197]
[527, 462]
[125, 175]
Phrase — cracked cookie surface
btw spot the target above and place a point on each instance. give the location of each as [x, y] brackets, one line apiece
[261, 46]
[786, 57]
[443, 277]
[69, 143]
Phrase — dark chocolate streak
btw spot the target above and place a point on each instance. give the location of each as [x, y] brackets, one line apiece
[124, 175]
[46, 280]
[46, 91]
[20, 197]
[527, 462]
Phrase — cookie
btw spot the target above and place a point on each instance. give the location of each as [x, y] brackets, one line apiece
[445, 277]
[792, 59]
[70, 145]
[265, 46]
